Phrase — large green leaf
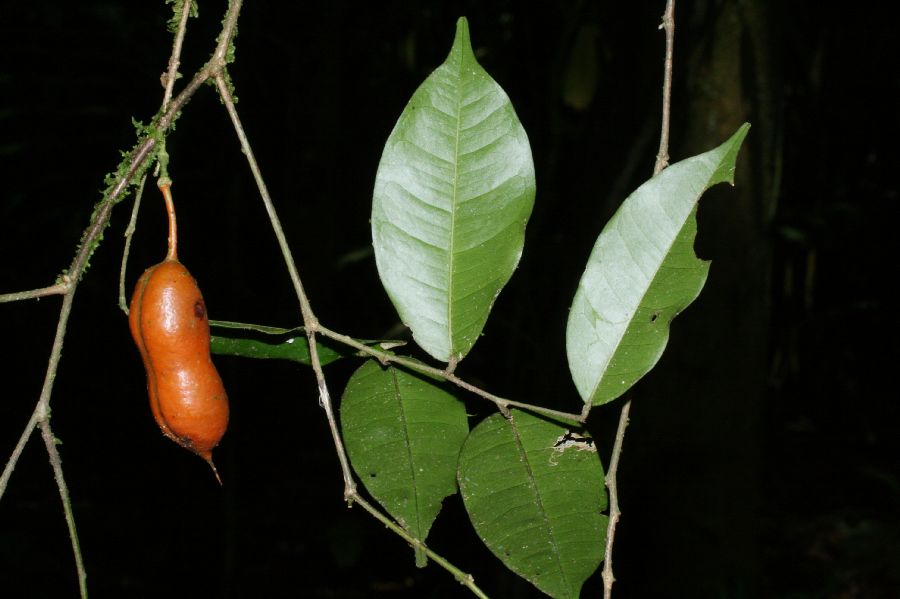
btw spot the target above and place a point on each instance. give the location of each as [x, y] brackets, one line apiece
[403, 434]
[535, 492]
[453, 192]
[641, 273]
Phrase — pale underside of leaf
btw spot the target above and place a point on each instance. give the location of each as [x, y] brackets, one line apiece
[641, 273]
[453, 192]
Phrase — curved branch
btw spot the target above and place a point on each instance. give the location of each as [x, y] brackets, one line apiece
[312, 328]
[310, 323]
[461, 577]
[662, 160]
[501, 402]
[135, 163]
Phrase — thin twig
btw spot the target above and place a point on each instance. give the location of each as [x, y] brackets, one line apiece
[662, 160]
[56, 464]
[175, 57]
[41, 417]
[129, 234]
[463, 578]
[310, 322]
[58, 289]
[614, 512]
[17, 451]
[668, 23]
[312, 327]
[143, 152]
[501, 402]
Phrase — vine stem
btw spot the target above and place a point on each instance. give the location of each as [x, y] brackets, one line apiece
[501, 402]
[169, 81]
[465, 579]
[171, 75]
[662, 160]
[668, 24]
[50, 443]
[142, 153]
[129, 235]
[614, 512]
[175, 56]
[309, 319]
[312, 328]
[60, 288]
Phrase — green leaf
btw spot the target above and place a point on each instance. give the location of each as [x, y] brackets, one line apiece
[294, 348]
[259, 328]
[403, 434]
[641, 273]
[291, 344]
[535, 492]
[453, 193]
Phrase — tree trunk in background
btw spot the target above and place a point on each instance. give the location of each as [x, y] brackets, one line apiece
[691, 465]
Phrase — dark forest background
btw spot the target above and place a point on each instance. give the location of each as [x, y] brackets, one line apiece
[762, 457]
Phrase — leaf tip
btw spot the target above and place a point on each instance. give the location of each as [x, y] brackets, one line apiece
[462, 27]
[738, 138]
[462, 43]
[725, 173]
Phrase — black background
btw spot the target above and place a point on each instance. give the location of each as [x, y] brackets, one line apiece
[795, 495]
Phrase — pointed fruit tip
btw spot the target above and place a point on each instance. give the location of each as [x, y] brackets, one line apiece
[207, 456]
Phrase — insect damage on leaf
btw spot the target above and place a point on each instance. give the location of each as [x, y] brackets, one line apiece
[574, 440]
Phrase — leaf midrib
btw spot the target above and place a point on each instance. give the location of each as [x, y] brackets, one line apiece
[537, 496]
[409, 454]
[453, 202]
[632, 313]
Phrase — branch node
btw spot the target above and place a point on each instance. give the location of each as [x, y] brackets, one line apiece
[451, 365]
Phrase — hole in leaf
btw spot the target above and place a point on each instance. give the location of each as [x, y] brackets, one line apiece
[654, 316]
[570, 439]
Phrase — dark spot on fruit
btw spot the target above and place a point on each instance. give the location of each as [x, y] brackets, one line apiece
[199, 309]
